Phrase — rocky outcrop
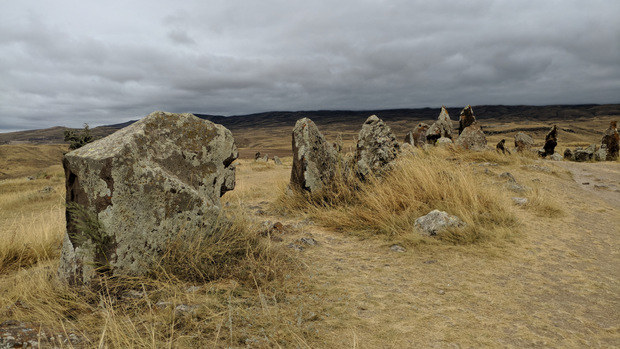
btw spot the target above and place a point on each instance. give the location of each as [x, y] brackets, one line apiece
[472, 138]
[377, 148]
[523, 142]
[466, 118]
[611, 141]
[551, 140]
[437, 221]
[441, 128]
[314, 159]
[128, 194]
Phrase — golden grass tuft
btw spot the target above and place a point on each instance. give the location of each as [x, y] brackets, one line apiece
[436, 179]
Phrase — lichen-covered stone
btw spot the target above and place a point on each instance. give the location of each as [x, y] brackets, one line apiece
[441, 128]
[472, 138]
[466, 118]
[377, 148]
[437, 221]
[580, 154]
[417, 137]
[144, 184]
[611, 141]
[523, 142]
[501, 147]
[314, 159]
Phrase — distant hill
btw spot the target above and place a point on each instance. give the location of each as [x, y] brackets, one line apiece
[347, 119]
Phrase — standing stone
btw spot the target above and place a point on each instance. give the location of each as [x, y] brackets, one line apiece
[472, 138]
[314, 159]
[551, 140]
[466, 118]
[257, 156]
[266, 158]
[523, 142]
[501, 147]
[276, 160]
[441, 128]
[418, 135]
[568, 154]
[377, 148]
[611, 140]
[142, 186]
[601, 154]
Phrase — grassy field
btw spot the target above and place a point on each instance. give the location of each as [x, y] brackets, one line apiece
[540, 275]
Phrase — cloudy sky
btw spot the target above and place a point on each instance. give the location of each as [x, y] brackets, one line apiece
[67, 62]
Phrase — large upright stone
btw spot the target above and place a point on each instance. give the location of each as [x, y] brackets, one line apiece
[314, 159]
[466, 118]
[441, 128]
[377, 148]
[144, 184]
[418, 134]
[472, 138]
[551, 140]
[611, 141]
[523, 142]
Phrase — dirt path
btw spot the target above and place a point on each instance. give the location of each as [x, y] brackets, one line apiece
[557, 286]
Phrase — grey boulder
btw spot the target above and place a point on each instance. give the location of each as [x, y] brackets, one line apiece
[437, 221]
[143, 185]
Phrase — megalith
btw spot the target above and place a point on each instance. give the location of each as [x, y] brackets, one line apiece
[314, 159]
[466, 118]
[472, 138]
[143, 185]
[523, 142]
[611, 141]
[551, 140]
[377, 148]
[441, 128]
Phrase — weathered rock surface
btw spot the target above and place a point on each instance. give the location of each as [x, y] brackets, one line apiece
[417, 137]
[600, 154]
[611, 141]
[551, 140]
[523, 142]
[556, 157]
[587, 154]
[377, 148]
[437, 221]
[441, 128]
[466, 118]
[314, 159]
[143, 184]
[444, 142]
[472, 138]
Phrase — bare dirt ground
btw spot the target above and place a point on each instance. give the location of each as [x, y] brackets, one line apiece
[556, 285]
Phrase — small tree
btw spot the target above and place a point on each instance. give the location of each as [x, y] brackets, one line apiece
[78, 139]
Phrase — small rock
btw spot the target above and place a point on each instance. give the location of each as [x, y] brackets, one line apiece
[397, 248]
[193, 289]
[556, 157]
[47, 190]
[30, 178]
[437, 221]
[295, 247]
[308, 241]
[441, 292]
[430, 261]
[520, 201]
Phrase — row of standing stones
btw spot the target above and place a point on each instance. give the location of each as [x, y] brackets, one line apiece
[166, 173]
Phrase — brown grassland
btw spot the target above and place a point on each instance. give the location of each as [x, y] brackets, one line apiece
[546, 274]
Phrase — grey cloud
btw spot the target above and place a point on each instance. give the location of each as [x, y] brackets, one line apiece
[258, 56]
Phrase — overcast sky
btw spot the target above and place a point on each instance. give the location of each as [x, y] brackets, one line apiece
[69, 62]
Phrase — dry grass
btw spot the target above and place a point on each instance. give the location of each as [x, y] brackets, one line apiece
[435, 179]
[552, 285]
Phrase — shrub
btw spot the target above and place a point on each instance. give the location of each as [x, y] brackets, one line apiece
[80, 139]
